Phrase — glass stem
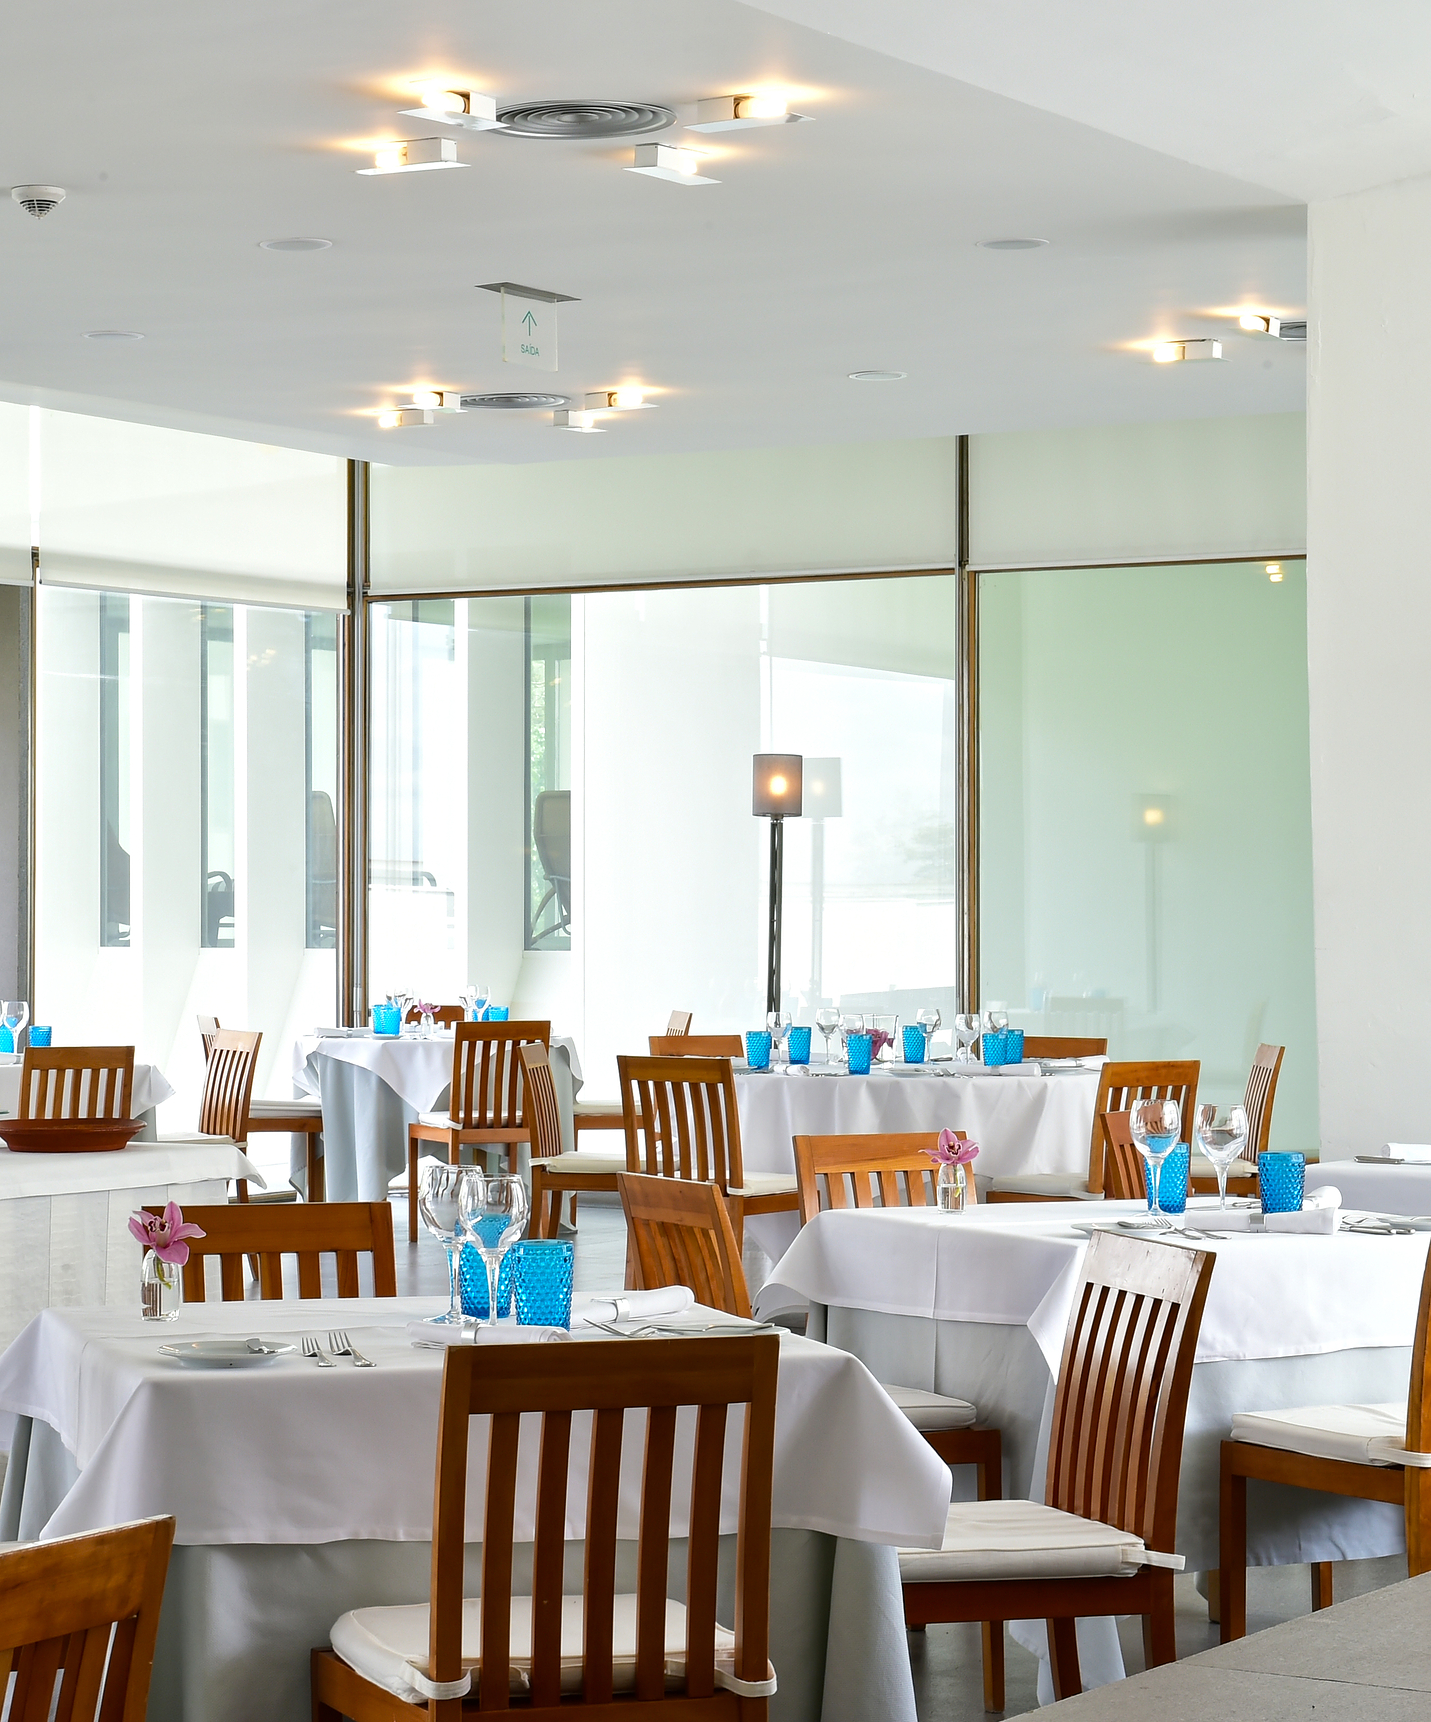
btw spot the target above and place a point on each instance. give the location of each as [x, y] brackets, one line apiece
[494, 1275]
[1154, 1167]
[454, 1299]
[1222, 1186]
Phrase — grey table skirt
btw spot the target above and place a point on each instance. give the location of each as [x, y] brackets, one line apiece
[364, 1141]
[239, 1620]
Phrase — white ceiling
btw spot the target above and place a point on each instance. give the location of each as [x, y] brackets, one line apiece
[184, 135]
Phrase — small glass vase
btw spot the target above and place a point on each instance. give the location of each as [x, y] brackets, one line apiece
[161, 1289]
[952, 1187]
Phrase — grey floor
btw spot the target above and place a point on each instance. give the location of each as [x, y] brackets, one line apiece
[948, 1676]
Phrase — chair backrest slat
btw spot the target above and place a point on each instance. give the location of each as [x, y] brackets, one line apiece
[1260, 1093]
[208, 1028]
[1119, 1085]
[832, 1170]
[77, 1082]
[1124, 1178]
[542, 1113]
[681, 1234]
[688, 1045]
[444, 1014]
[487, 1073]
[89, 1604]
[1064, 1046]
[651, 1376]
[303, 1229]
[678, 1023]
[1115, 1448]
[228, 1083]
[681, 1118]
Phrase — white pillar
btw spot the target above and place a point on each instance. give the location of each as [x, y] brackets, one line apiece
[1368, 637]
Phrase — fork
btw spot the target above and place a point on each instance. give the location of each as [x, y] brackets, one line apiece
[311, 1348]
[338, 1342]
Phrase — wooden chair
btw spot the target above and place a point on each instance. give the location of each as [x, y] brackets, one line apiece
[342, 1229]
[878, 1171]
[600, 1653]
[1063, 1046]
[1296, 1447]
[77, 1082]
[601, 1115]
[696, 1046]
[485, 1105]
[1111, 1494]
[1257, 1101]
[556, 1173]
[443, 1015]
[682, 1122]
[228, 1091]
[1119, 1085]
[89, 1606]
[298, 1117]
[681, 1235]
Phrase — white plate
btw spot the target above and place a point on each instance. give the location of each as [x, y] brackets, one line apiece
[223, 1353]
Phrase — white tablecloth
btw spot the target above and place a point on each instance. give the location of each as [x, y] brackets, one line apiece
[1383, 1189]
[373, 1087]
[291, 1482]
[1022, 1123]
[64, 1233]
[151, 1088]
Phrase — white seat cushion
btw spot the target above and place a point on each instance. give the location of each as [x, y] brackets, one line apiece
[1202, 1167]
[765, 1184]
[310, 1106]
[1026, 1540]
[584, 1161]
[1363, 1434]
[1066, 1185]
[598, 1109]
[389, 1646]
[931, 1411]
[193, 1139]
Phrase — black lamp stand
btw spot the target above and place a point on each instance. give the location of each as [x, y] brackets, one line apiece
[777, 848]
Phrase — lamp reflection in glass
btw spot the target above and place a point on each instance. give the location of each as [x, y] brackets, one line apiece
[777, 793]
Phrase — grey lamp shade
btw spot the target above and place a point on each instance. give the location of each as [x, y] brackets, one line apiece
[776, 790]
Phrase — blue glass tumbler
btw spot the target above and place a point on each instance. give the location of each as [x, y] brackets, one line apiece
[387, 1019]
[497, 1013]
[7, 1040]
[541, 1280]
[40, 1034]
[797, 1045]
[1013, 1046]
[472, 1280]
[993, 1043]
[1173, 1181]
[913, 1037]
[757, 1049]
[858, 1048]
[1281, 1179]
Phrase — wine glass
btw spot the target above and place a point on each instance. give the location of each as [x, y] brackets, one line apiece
[494, 1214]
[16, 1013]
[1154, 1126]
[996, 1021]
[467, 998]
[778, 1022]
[443, 1193]
[1221, 1133]
[967, 1028]
[930, 1021]
[428, 1026]
[481, 992]
[828, 1023]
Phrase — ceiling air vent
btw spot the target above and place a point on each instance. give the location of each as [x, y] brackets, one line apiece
[585, 119]
[517, 400]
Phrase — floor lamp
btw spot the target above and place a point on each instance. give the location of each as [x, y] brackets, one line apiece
[776, 793]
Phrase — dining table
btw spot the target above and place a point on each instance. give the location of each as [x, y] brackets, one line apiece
[976, 1305]
[64, 1232]
[1030, 1117]
[301, 1492]
[373, 1086]
[1378, 1183]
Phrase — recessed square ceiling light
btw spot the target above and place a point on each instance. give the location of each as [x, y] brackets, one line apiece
[1185, 352]
[469, 109]
[415, 155]
[668, 161]
[403, 418]
[737, 113]
[628, 400]
[574, 421]
[1257, 323]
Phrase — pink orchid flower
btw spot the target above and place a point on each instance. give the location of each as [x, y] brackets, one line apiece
[951, 1151]
[165, 1233]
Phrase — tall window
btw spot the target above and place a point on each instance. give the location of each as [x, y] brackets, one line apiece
[320, 727]
[216, 775]
[114, 838]
[548, 877]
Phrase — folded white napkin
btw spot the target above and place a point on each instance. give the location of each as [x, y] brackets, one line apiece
[422, 1333]
[1321, 1212]
[633, 1306]
[1414, 1153]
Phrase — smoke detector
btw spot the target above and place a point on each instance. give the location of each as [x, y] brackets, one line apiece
[38, 200]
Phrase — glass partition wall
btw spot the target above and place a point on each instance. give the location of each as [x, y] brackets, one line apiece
[1145, 816]
[561, 790]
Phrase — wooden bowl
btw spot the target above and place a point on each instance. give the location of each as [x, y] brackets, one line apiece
[68, 1135]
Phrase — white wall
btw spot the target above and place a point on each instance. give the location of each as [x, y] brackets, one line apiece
[1369, 632]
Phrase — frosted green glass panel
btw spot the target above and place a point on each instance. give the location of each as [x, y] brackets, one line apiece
[1145, 817]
